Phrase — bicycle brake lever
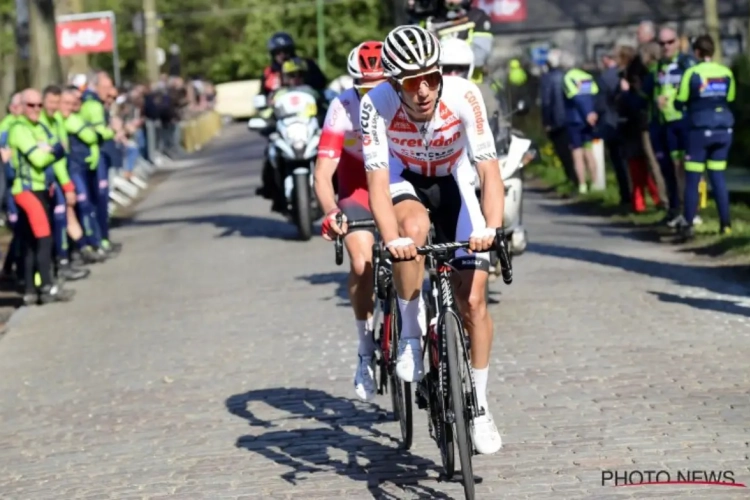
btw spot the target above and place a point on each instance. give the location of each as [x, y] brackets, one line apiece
[506, 269]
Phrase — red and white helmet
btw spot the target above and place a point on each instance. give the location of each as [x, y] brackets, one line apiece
[365, 63]
[370, 58]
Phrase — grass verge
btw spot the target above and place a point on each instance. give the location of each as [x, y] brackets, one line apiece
[606, 203]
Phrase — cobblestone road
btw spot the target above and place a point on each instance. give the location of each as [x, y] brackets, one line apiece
[214, 360]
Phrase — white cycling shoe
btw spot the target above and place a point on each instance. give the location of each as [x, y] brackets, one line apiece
[484, 434]
[364, 379]
[409, 365]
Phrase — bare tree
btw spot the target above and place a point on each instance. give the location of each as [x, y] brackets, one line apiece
[45, 63]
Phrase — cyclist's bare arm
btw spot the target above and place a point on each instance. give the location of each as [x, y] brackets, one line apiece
[325, 168]
[483, 154]
[375, 150]
[329, 153]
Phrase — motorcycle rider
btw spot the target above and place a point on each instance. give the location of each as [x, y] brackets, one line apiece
[281, 48]
[340, 151]
[459, 19]
[457, 58]
[293, 77]
[421, 134]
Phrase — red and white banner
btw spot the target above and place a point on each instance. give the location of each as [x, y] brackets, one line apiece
[85, 37]
[504, 11]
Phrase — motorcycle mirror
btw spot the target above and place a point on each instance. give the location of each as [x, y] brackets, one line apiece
[260, 102]
[256, 124]
[521, 107]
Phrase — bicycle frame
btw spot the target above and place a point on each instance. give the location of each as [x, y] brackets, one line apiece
[444, 303]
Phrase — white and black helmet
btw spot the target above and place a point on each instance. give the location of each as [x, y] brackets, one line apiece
[352, 64]
[410, 48]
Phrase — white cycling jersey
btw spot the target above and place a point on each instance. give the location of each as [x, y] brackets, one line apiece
[458, 132]
[431, 162]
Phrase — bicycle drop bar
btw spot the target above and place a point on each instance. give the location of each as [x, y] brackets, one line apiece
[499, 246]
[338, 243]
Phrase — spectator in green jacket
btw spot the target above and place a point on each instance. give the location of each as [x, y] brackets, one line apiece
[32, 155]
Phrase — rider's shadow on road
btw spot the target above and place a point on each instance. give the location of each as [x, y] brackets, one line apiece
[336, 447]
[337, 278]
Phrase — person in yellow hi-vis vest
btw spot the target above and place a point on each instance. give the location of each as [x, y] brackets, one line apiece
[459, 19]
[580, 91]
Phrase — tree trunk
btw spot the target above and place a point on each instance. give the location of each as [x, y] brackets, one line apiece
[711, 13]
[45, 63]
[7, 59]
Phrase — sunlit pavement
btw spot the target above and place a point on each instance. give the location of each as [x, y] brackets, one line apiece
[214, 359]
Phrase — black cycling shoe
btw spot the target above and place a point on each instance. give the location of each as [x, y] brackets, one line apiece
[55, 293]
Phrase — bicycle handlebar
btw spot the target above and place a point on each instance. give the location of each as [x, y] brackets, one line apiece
[499, 246]
[338, 243]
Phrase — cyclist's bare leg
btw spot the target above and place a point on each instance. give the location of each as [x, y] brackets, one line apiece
[470, 289]
[414, 223]
[359, 247]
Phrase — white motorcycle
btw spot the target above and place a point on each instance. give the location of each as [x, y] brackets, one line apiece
[518, 155]
[292, 153]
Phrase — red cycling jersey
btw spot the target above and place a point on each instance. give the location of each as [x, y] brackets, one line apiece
[342, 140]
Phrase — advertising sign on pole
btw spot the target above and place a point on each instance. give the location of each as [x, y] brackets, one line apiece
[89, 33]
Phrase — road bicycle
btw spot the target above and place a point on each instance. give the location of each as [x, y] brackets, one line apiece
[386, 330]
[447, 390]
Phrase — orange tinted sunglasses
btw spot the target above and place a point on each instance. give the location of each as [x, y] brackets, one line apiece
[412, 83]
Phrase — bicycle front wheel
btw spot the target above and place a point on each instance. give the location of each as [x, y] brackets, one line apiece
[459, 380]
[400, 390]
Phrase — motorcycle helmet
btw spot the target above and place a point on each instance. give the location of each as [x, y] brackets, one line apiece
[280, 41]
[456, 57]
[293, 71]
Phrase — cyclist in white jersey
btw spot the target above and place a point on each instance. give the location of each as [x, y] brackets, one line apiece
[340, 152]
[421, 132]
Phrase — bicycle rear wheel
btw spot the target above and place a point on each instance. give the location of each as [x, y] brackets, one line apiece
[458, 380]
[400, 390]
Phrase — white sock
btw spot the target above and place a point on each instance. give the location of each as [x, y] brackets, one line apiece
[480, 382]
[366, 344]
[410, 327]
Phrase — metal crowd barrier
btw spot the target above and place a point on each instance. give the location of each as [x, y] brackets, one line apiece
[190, 135]
[197, 132]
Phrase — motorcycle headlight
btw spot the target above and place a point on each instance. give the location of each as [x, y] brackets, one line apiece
[296, 133]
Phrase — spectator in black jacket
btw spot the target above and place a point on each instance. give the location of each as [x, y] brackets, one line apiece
[609, 121]
[553, 113]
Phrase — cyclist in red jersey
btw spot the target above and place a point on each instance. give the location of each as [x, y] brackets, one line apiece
[340, 152]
